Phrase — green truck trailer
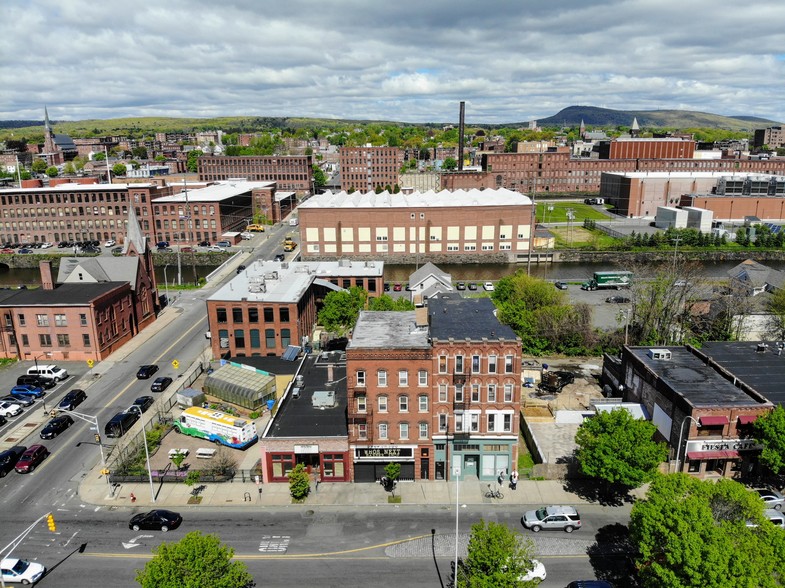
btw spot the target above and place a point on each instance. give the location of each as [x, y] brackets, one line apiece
[615, 280]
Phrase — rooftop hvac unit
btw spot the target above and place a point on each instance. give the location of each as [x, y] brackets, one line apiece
[659, 353]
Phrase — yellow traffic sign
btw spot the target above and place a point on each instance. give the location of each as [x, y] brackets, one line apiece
[175, 364]
[90, 363]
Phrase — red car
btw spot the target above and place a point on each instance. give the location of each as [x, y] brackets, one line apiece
[31, 458]
[397, 288]
[7, 250]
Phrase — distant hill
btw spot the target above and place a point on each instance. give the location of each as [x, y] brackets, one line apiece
[593, 116]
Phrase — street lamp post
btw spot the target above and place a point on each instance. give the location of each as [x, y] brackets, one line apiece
[146, 454]
[93, 420]
[681, 434]
[457, 474]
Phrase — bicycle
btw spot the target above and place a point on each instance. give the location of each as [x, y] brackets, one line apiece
[493, 493]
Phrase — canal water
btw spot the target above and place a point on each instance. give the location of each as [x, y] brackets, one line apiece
[400, 273]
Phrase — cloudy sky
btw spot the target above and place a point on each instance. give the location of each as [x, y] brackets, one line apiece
[405, 60]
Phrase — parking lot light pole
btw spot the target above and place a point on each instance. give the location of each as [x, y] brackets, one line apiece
[146, 454]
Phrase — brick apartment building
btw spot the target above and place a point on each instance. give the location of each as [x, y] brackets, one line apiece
[773, 137]
[436, 390]
[366, 168]
[289, 172]
[272, 305]
[462, 226]
[730, 196]
[557, 171]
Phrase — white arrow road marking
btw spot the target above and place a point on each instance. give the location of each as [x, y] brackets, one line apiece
[133, 542]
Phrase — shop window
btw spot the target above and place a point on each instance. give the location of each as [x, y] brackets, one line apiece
[333, 466]
[282, 463]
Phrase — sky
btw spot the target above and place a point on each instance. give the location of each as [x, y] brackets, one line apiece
[401, 60]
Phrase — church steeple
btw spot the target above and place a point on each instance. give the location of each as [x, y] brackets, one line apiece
[582, 131]
[49, 136]
[635, 130]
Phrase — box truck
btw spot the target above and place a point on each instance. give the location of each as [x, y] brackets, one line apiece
[615, 280]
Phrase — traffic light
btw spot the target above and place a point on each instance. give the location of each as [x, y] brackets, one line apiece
[50, 522]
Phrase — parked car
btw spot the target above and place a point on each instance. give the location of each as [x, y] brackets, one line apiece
[772, 498]
[155, 520]
[47, 245]
[39, 381]
[617, 299]
[24, 251]
[246, 235]
[10, 408]
[9, 457]
[560, 285]
[21, 571]
[73, 399]
[110, 243]
[563, 518]
[536, 573]
[215, 248]
[161, 384]
[21, 400]
[145, 371]
[472, 286]
[162, 244]
[279, 257]
[204, 243]
[31, 459]
[397, 288]
[117, 251]
[28, 390]
[56, 426]
[461, 286]
[186, 250]
[488, 286]
[144, 402]
[223, 244]
[7, 250]
[387, 286]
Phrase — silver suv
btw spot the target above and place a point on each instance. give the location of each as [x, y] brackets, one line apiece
[552, 517]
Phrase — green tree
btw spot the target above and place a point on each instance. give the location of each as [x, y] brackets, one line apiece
[299, 482]
[449, 163]
[119, 169]
[769, 430]
[39, 166]
[341, 309]
[497, 557]
[319, 177]
[618, 448]
[191, 164]
[99, 156]
[196, 561]
[694, 533]
[52, 171]
[140, 152]
[69, 169]
[386, 302]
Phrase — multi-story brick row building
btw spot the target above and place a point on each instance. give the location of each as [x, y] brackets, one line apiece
[556, 171]
[773, 137]
[291, 172]
[366, 168]
[436, 390]
[473, 225]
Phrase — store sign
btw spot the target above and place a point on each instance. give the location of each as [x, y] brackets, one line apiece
[384, 453]
[299, 449]
[723, 445]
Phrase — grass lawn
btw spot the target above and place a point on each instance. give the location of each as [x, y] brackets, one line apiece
[559, 212]
[576, 237]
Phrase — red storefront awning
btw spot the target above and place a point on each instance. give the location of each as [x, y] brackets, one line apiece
[702, 455]
[747, 419]
[709, 421]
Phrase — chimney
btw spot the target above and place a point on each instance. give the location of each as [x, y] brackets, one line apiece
[46, 275]
[330, 373]
[460, 136]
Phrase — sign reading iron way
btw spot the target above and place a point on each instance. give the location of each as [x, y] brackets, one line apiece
[384, 453]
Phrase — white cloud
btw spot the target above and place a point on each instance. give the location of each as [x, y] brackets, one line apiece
[407, 60]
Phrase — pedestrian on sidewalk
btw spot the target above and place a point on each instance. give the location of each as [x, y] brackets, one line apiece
[501, 478]
[514, 480]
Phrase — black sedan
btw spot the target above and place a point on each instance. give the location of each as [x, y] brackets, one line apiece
[161, 384]
[73, 399]
[146, 371]
[617, 299]
[9, 457]
[56, 426]
[144, 402]
[155, 520]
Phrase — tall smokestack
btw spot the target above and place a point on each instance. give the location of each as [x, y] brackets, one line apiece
[460, 136]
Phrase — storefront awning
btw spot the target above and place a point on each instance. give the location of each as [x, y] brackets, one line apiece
[747, 419]
[713, 421]
[702, 455]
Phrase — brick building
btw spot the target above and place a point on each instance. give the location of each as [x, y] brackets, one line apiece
[489, 225]
[292, 173]
[556, 171]
[773, 137]
[665, 148]
[730, 196]
[436, 390]
[366, 168]
[272, 305]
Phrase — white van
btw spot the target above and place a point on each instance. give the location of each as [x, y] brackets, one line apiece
[294, 221]
[50, 372]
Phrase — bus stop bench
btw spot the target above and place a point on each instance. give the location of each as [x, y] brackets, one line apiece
[173, 452]
[205, 453]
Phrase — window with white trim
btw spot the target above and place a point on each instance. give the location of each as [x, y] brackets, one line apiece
[361, 377]
[492, 422]
[404, 430]
[442, 422]
[459, 364]
[362, 431]
[422, 403]
[492, 364]
[382, 430]
[42, 320]
[474, 422]
[442, 392]
[508, 389]
[403, 377]
[475, 392]
[381, 403]
[459, 422]
[491, 392]
[509, 363]
[475, 364]
[403, 403]
[470, 247]
[507, 426]
[362, 403]
[423, 430]
[381, 377]
[442, 364]
[422, 378]
[459, 393]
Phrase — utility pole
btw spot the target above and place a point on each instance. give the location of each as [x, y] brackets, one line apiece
[676, 241]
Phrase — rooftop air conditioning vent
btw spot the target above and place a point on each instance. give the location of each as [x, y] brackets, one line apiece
[659, 353]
